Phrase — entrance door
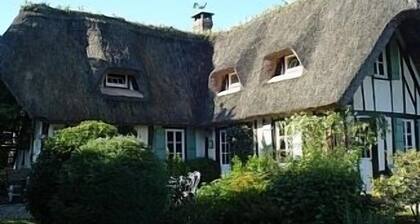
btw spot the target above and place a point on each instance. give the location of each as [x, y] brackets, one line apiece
[225, 154]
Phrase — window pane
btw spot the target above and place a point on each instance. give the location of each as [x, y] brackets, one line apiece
[381, 69]
[381, 58]
[170, 148]
[408, 124]
[409, 141]
[170, 136]
[222, 137]
[234, 79]
[292, 62]
[178, 136]
[282, 144]
[179, 148]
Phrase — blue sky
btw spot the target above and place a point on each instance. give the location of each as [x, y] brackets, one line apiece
[174, 13]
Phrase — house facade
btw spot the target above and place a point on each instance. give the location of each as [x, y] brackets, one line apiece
[178, 92]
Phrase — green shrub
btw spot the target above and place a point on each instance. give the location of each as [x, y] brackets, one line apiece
[111, 181]
[176, 167]
[318, 188]
[44, 178]
[403, 187]
[366, 217]
[85, 173]
[237, 198]
[208, 168]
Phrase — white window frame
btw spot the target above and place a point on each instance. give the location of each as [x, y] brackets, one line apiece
[225, 155]
[406, 134]
[289, 73]
[377, 65]
[174, 143]
[231, 87]
[288, 143]
[125, 85]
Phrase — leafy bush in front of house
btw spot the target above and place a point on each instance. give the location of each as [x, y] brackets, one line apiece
[318, 188]
[114, 180]
[58, 149]
[176, 167]
[86, 170]
[403, 187]
[208, 168]
[239, 197]
[358, 216]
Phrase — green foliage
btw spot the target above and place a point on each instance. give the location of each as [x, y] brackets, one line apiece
[240, 139]
[403, 187]
[87, 174]
[236, 198]
[317, 189]
[335, 131]
[117, 173]
[208, 168]
[67, 140]
[366, 217]
[176, 167]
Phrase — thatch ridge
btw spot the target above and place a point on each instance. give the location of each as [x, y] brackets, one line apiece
[43, 9]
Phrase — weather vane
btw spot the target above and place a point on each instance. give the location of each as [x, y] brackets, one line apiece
[199, 6]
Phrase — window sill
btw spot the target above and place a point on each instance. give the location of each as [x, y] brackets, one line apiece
[229, 91]
[121, 93]
[290, 74]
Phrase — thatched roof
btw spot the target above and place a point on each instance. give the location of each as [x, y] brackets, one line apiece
[55, 60]
[58, 60]
[334, 39]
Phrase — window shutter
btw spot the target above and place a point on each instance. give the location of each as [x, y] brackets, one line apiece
[394, 60]
[297, 145]
[159, 143]
[191, 150]
[398, 134]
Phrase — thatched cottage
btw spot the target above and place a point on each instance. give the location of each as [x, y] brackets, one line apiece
[179, 90]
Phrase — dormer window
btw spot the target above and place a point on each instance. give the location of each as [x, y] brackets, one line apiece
[231, 84]
[379, 67]
[283, 65]
[225, 81]
[119, 84]
[120, 81]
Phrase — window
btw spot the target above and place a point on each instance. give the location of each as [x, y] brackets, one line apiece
[379, 67]
[230, 84]
[408, 132]
[284, 144]
[175, 144]
[286, 67]
[224, 148]
[121, 81]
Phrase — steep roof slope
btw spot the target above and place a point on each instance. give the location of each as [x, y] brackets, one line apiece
[334, 39]
[55, 61]
[58, 61]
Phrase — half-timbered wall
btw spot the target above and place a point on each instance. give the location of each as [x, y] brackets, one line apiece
[396, 96]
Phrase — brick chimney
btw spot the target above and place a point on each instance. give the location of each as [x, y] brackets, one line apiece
[202, 22]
